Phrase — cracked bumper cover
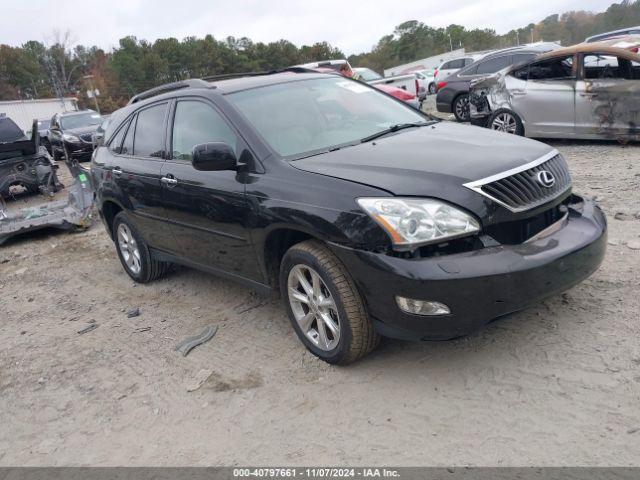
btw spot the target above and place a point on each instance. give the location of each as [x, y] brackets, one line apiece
[480, 285]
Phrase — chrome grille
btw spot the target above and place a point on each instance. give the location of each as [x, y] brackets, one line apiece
[519, 189]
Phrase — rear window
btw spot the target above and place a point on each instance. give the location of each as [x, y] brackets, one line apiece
[493, 65]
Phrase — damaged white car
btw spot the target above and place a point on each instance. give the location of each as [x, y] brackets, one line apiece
[588, 91]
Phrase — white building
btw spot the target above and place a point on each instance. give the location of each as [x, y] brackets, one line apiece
[24, 111]
[424, 64]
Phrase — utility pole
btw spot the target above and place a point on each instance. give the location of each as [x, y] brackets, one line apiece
[450, 42]
[532, 35]
[517, 38]
[93, 91]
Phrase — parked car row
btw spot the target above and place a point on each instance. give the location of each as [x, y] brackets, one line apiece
[453, 93]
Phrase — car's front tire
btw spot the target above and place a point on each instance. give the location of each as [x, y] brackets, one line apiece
[324, 305]
[134, 253]
[432, 88]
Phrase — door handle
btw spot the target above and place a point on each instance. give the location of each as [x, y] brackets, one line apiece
[117, 171]
[588, 94]
[169, 180]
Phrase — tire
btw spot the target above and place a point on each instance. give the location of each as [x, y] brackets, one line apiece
[432, 88]
[505, 120]
[460, 107]
[142, 268]
[354, 335]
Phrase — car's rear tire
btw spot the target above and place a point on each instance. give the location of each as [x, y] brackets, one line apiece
[134, 253]
[432, 88]
[505, 120]
[460, 107]
[324, 305]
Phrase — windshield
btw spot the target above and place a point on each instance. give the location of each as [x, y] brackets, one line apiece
[303, 117]
[78, 121]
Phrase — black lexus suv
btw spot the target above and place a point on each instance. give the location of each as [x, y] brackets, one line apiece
[369, 217]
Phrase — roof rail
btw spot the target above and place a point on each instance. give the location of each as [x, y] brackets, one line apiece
[226, 76]
[169, 87]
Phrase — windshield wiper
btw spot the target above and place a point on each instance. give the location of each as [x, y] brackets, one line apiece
[394, 128]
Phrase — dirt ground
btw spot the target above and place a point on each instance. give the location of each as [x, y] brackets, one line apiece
[557, 384]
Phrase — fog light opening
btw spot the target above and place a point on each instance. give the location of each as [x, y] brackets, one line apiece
[422, 307]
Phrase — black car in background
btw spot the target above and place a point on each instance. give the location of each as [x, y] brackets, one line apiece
[72, 133]
[369, 217]
[453, 92]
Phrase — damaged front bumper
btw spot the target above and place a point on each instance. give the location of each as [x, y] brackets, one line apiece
[480, 285]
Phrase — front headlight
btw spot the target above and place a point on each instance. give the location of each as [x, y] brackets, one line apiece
[70, 138]
[411, 222]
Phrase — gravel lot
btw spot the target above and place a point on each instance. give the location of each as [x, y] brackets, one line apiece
[557, 384]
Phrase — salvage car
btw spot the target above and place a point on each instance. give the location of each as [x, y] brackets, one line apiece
[453, 93]
[588, 91]
[71, 134]
[25, 166]
[369, 217]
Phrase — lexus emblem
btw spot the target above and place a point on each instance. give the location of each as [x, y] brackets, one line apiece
[545, 178]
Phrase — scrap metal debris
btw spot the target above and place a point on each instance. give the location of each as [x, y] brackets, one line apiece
[134, 312]
[88, 328]
[74, 212]
[189, 343]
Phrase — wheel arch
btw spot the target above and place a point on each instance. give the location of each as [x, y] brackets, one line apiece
[275, 245]
[110, 209]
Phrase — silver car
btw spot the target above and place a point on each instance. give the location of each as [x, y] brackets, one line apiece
[588, 91]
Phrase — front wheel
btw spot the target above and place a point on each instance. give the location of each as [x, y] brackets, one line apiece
[461, 108]
[504, 120]
[432, 88]
[324, 305]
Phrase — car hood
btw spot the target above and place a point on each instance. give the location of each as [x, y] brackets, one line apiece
[432, 161]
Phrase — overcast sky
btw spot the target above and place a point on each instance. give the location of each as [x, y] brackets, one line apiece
[352, 26]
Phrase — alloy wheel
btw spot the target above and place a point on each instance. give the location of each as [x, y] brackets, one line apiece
[313, 307]
[504, 122]
[129, 248]
[462, 107]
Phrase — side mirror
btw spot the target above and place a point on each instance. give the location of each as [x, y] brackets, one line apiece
[213, 156]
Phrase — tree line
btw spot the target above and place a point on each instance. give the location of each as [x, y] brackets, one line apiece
[60, 68]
